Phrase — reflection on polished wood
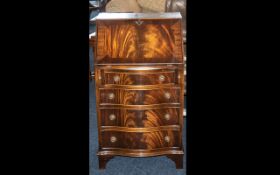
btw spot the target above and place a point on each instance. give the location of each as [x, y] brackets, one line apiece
[140, 152]
[147, 129]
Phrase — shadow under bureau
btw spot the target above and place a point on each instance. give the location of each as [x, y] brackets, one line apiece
[139, 79]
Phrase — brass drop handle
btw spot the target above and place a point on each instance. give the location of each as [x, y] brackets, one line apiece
[167, 116]
[167, 138]
[112, 117]
[116, 78]
[167, 95]
[161, 78]
[111, 96]
[113, 139]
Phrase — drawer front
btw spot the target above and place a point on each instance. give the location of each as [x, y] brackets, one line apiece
[135, 140]
[143, 78]
[140, 118]
[139, 97]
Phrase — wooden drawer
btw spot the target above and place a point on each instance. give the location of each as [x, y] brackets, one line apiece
[139, 96]
[137, 140]
[139, 76]
[140, 118]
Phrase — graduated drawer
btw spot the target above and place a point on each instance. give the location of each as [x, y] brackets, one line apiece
[138, 140]
[139, 96]
[140, 118]
[140, 78]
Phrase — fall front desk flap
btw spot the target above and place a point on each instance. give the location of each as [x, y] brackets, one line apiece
[139, 38]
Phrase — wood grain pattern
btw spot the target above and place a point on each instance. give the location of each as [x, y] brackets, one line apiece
[136, 76]
[139, 97]
[139, 79]
[136, 140]
[152, 42]
[140, 118]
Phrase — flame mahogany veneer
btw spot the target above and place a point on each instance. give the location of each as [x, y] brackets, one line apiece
[139, 85]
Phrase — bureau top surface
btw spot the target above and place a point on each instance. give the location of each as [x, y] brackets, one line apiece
[128, 16]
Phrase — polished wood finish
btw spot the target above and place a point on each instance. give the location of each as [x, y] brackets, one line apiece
[103, 161]
[139, 79]
[140, 140]
[139, 97]
[143, 40]
[139, 72]
[140, 118]
[140, 152]
[178, 159]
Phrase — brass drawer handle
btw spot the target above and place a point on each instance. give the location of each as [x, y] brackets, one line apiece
[113, 139]
[167, 95]
[116, 78]
[161, 78]
[112, 117]
[111, 96]
[167, 116]
[167, 138]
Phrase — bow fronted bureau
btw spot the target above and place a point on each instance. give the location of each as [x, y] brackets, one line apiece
[139, 79]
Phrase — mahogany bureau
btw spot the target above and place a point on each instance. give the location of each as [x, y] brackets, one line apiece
[139, 79]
